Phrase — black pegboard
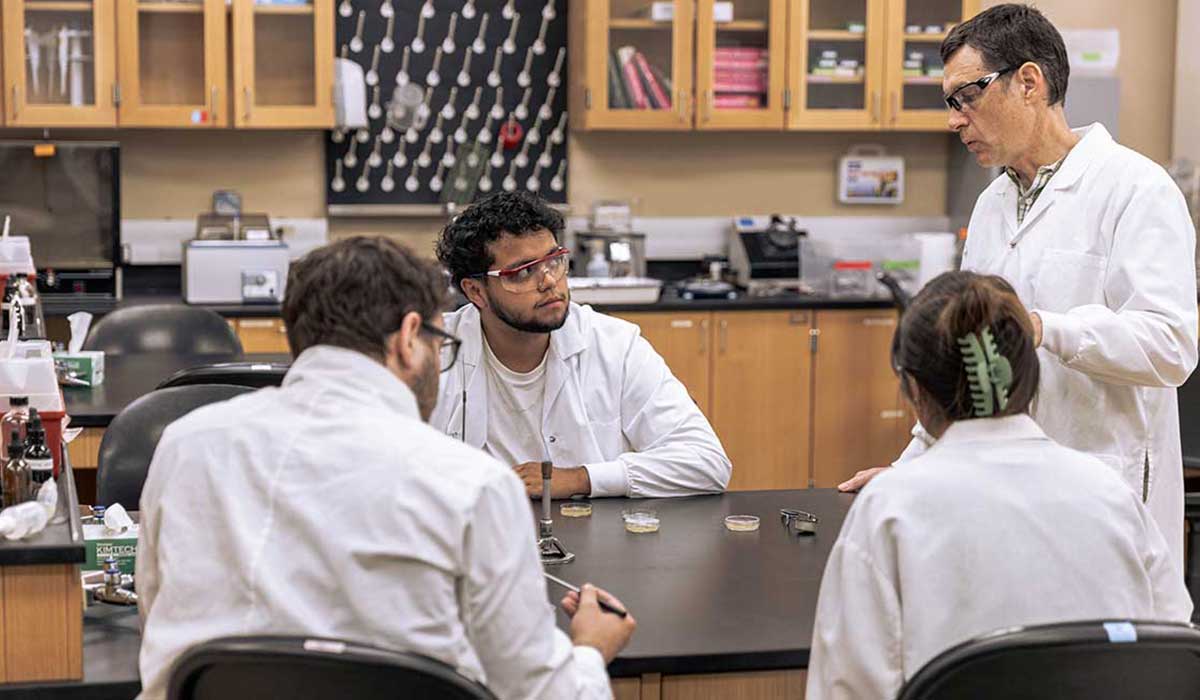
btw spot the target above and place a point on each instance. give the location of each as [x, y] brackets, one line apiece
[407, 14]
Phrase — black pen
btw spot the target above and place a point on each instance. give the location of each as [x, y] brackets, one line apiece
[571, 587]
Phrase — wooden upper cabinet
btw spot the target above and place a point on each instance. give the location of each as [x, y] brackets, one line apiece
[860, 419]
[835, 64]
[741, 63]
[172, 64]
[60, 63]
[631, 70]
[761, 395]
[283, 65]
[913, 63]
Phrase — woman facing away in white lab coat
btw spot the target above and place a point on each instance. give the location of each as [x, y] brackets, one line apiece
[994, 526]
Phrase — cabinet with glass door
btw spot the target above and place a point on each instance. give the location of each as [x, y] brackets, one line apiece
[283, 64]
[916, 29]
[60, 63]
[172, 63]
[741, 52]
[835, 64]
[636, 72]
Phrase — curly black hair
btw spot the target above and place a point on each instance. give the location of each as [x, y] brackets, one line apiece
[463, 245]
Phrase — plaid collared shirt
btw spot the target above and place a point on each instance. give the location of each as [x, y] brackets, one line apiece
[1026, 197]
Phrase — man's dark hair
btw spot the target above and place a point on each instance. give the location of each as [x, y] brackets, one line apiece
[355, 292]
[463, 245]
[1011, 35]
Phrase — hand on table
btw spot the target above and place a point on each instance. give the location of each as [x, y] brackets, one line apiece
[860, 479]
[564, 483]
[593, 627]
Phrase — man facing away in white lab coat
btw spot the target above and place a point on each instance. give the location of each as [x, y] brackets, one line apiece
[542, 379]
[994, 526]
[328, 508]
[1097, 241]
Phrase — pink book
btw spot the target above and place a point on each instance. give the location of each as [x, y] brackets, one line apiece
[655, 88]
[633, 83]
[737, 102]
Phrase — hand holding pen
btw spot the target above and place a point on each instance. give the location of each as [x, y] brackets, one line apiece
[592, 626]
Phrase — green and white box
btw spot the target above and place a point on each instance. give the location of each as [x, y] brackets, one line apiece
[102, 544]
[87, 365]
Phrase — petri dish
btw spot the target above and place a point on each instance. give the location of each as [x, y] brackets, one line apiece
[741, 523]
[640, 520]
[576, 509]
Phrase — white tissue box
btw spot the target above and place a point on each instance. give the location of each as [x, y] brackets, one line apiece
[87, 365]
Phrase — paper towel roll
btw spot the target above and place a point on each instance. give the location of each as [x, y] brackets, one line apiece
[937, 255]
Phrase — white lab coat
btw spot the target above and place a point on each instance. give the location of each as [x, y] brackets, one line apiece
[1106, 256]
[994, 526]
[327, 508]
[611, 404]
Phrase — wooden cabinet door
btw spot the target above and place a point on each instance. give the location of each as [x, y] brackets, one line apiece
[914, 98]
[848, 33]
[859, 418]
[741, 65]
[60, 63]
[172, 64]
[614, 43]
[761, 390]
[266, 335]
[684, 343]
[283, 65]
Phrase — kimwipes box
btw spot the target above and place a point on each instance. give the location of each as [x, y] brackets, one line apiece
[102, 545]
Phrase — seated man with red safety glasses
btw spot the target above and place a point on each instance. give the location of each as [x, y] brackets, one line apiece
[540, 379]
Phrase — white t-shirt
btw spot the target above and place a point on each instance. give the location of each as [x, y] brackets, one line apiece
[515, 400]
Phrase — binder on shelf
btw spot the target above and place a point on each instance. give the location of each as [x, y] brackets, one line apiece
[655, 90]
[618, 98]
[637, 96]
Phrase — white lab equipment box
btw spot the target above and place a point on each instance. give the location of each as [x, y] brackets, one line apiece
[234, 272]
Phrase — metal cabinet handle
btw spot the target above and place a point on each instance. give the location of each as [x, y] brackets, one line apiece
[704, 337]
[246, 92]
[682, 106]
[212, 106]
[708, 108]
[895, 108]
[874, 107]
[15, 102]
[724, 340]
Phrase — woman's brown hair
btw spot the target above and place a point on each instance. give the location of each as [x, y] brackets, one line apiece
[926, 350]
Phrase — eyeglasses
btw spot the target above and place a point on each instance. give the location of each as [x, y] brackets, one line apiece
[527, 277]
[448, 346]
[966, 95]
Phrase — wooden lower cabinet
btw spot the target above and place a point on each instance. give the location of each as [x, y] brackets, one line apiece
[761, 384]
[859, 419]
[262, 335]
[751, 685]
[683, 340]
[41, 635]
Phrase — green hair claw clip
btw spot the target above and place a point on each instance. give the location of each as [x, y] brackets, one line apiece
[989, 374]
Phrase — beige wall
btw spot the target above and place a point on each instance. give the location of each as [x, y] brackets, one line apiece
[1185, 142]
[1147, 68]
[173, 173]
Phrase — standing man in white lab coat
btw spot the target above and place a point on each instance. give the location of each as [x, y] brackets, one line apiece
[1098, 243]
[543, 379]
[328, 508]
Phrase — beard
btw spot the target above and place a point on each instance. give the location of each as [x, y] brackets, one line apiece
[426, 386]
[528, 323]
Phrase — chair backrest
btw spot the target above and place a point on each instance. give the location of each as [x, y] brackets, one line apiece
[1095, 660]
[186, 330]
[131, 437]
[252, 374]
[233, 668]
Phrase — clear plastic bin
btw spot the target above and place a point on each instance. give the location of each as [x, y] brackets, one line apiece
[16, 257]
[30, 372]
